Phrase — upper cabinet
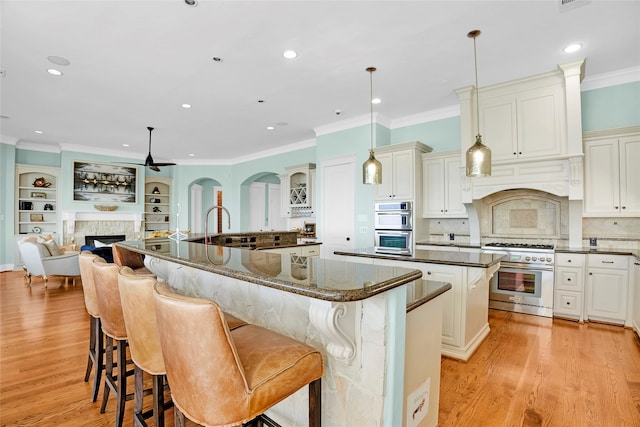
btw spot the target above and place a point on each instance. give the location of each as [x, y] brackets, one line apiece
[612, 175]
[296, 187]
[527, 124]
[36, 203]
[533, 118]
[442, 185]
[401, 170]
[157, 203]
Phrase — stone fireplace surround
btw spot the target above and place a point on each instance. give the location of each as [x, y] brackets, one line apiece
[77, 224]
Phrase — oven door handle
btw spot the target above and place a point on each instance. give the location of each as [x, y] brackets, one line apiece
[524, 266]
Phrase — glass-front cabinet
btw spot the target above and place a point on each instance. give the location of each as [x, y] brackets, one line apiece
[36, 201]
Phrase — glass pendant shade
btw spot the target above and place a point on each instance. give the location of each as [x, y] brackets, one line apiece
[478, 159]
[372, 170]
[478, 155]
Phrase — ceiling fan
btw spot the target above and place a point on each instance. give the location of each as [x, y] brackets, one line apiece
[148, 162]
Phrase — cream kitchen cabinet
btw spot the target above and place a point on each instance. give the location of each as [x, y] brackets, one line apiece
[569, 285]
[296, 189]
[527, 124]
[635, 307]
[442, 185]
[401, 172]
[611, 176]
[607, 288]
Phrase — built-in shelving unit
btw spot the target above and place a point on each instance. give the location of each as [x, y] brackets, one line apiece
[157, 203]
[36, 201]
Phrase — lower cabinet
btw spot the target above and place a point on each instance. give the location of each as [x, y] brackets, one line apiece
[607, 292]
[635, 312]
[569, 286]
[300, 250]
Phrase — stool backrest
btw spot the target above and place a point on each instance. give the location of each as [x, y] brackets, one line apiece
[136, 296]
[88, 284]
[203, 368]
[105, 276]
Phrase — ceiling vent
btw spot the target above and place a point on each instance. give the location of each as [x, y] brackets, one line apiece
[567, 5]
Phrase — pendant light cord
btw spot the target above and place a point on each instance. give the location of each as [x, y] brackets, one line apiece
[475, 62]
[371, 70]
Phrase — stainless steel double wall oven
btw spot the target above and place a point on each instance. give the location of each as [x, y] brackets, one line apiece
[394, 228]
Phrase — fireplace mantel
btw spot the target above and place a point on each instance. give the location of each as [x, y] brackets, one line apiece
[72, 216]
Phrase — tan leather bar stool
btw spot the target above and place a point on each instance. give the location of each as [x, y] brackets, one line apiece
[220, 377]
[96, 343]
[134, 260]
[136, 295]
[106, 280]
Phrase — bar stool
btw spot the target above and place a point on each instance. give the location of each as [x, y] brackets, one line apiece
[106, 280]
[136, 295]
[134, 260]
[96, 342]
[220, 377]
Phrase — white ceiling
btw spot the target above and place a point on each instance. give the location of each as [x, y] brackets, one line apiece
[133, 63]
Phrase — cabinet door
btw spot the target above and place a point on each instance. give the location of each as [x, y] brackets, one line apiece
[403, 175]
[453, 188]
[285, 210]
[630, 175]
[636, 295]
[601, 176]
[498, 127]
[384, 190]
[453, 313]
[540, 117]
[607, 294]
[433, 187]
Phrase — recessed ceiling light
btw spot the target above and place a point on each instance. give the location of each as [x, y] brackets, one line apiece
[270, 127]
[54, 72]
[191, 2]
[58, 60]
[289, 54]
[191, 155]
[125, 145]
[572, 48]
[38, 131]
[376, 101]
[187, 106]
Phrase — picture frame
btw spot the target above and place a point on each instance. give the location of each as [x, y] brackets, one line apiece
[38, 195]
[310, 228]
[36, 217]
[106, 183]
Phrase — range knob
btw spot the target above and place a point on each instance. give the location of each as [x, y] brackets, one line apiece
[534, 258]
[549, 259]
[527, 258]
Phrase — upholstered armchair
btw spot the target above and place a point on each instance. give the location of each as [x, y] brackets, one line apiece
[38, 261]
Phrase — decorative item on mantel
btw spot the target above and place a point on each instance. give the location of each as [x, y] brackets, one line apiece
[155, 190]
[372, 168]
[479, 155]
[106, 208]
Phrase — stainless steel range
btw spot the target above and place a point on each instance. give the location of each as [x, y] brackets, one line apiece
[524, 282]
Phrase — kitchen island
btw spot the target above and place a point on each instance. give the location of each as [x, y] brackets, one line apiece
[465, 322]
[382, 366]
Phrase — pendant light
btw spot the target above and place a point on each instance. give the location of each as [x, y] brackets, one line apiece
[372, 168]
[479, 155]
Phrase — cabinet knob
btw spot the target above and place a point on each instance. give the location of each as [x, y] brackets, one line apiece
[615, 207]
[624, 207]
[590, 274]
[568, 279]
[429, 273]
[348, 238]
[568, 303]
[520, 153]
[441, 210]
[568, 260]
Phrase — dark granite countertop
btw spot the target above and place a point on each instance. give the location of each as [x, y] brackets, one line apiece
[600, 251]
[424, 291]
[330, 280]
[466, 259]
[254, 240]
[453, 244]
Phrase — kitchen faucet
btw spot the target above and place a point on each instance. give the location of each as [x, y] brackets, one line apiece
[206, 221]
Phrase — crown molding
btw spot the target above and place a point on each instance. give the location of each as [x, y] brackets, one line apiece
[38, 146]
[10, 140]
[427, 116]
[614, 78]
[362, 120]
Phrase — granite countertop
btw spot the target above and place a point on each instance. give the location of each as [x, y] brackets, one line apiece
[330, 280]
[424, 291]
[450, 243]
[600, 251]
[466, 259]
[247, 243]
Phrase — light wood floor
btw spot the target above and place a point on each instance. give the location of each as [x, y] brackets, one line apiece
[530, 371]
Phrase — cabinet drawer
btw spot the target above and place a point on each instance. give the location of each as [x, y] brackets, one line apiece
[609, 261]
[313, 250]
[571, 279]
[568, 303]
[570, 260]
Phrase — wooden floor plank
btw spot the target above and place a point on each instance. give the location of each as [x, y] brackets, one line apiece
[530, 371]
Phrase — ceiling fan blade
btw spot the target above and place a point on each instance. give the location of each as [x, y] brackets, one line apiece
[163, 164]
